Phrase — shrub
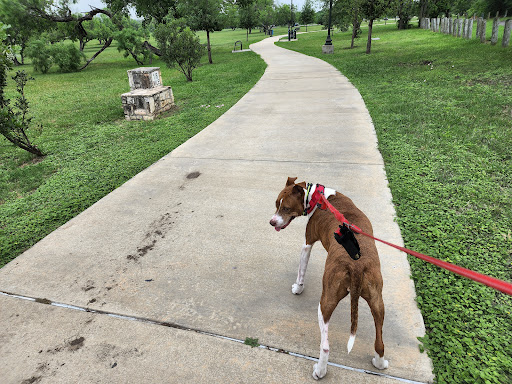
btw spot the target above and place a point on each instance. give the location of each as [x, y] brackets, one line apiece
[67, 56]
[39, 52]
[179, 46]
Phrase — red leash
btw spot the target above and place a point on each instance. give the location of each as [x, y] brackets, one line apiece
[492, 282]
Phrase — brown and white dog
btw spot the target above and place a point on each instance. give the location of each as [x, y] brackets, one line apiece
[342, 274]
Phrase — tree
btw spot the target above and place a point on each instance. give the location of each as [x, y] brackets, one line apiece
[230, 16]
[341, 15]
[44, 9]
[373, 9]
[203, 15]
[307, 15]
[131, 39]
[21, 26]
[406, 9]
[283, 14]
[179, 46]
[356, 21]
[14, 123]
[266, 14]
[149, 10]
[248, 12]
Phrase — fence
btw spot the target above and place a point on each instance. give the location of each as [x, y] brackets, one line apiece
[463, 27]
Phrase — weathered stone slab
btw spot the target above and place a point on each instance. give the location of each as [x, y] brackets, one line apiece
[328, 49]
[146, 104]
[506, 33]
[144, 78]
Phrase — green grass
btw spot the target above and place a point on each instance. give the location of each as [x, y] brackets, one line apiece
[442, 109]
[91, 150]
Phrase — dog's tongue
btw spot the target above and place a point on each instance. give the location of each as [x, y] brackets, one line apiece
[277, 229]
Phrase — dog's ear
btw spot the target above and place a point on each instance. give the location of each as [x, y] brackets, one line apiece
[302, 184]
[298, 190]
[290, 181]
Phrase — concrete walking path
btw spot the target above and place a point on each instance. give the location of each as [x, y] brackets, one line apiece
[179, 264]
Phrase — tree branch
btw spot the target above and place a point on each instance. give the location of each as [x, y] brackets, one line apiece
[151, 48]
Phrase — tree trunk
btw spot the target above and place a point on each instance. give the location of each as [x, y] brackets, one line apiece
[369, 43]
[401, 21]
[105, 46]
[209, 47]
[15, 61]
[355, 27]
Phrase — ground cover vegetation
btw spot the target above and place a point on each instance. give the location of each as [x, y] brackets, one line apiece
[442, 109]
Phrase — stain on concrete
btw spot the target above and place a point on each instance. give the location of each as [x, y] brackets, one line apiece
[156, 231]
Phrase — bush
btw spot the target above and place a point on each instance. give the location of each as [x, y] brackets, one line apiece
[67, 56]
[39, 52]
[179, 46]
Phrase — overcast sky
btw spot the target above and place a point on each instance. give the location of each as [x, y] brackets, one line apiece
[83, 5]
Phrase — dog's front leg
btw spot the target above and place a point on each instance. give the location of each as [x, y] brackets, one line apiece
[298, 287]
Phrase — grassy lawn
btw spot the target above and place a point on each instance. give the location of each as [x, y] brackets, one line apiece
[91, 150]
[442, 109]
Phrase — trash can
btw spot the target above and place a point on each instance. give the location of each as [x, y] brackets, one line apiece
[271, 32]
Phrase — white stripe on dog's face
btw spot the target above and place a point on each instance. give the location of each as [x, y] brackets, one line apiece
[277, 220]
[289, 205]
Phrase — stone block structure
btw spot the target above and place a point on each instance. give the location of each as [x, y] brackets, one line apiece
[147, 97]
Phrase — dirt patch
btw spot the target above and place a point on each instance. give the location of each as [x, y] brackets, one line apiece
[76, 344]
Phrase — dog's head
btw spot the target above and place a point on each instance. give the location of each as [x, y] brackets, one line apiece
[289, 204]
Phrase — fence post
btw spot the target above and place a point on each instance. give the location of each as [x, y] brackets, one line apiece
[506, 33]
[450, 26]
[455, 25]
[495, 25]
[470, 29]
[483, 28]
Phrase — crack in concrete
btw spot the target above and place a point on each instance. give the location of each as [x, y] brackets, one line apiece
[46, 301]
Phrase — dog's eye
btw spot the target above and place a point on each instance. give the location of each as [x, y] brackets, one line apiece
[286, 209]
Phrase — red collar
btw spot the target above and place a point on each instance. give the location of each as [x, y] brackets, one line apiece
[315, 198]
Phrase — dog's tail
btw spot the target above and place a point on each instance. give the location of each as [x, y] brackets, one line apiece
[355, 292]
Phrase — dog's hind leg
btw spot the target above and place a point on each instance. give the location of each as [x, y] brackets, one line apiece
[377, 307]
[298, 287]
[332, 293]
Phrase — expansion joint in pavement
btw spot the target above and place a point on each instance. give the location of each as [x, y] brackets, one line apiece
[45, 301]
[279, 161]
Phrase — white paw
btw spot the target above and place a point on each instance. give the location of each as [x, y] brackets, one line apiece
[318, 373]
[380, 362]
[297, 288]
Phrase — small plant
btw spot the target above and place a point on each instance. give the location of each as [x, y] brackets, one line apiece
[252, 342]
[179, 46]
